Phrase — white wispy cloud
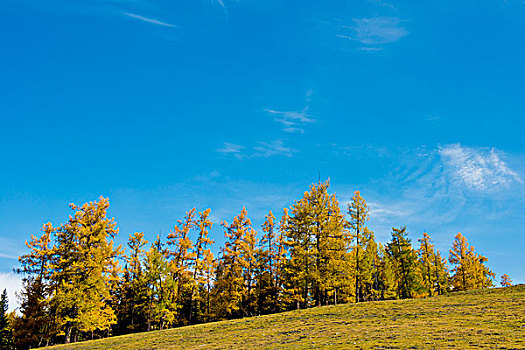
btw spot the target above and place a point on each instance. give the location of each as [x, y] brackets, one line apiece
[273, 148]
[149, 20]
[374, 31]
[434, 188]
[381, 213]
[263, 149]
[293, 121]
[234, 149]
[478, 169]
[8, 256]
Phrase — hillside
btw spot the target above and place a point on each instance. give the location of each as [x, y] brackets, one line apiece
[481, 319]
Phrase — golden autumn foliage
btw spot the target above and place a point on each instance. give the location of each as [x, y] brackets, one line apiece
[506, 281]
[358, 212]
[235, 282]
[469, 271]
[313, 255]
[318, 243]
[433, 272]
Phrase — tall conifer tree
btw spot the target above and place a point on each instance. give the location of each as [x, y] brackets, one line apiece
[469, 270]
[83, 267]
[317, 242]
[235, 272]
[202, 265]
[6, 332]
[35, 326]
[404, 259]
[432, 267]
[133, 291]
[268, 260]
[358, 211]
[162, 288]
[180, 253]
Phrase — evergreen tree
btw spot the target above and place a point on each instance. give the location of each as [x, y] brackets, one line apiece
[6, 332]
[35, 326]
[133, 292]
[403, 258]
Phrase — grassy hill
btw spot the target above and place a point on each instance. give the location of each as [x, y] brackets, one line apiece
[482, 319]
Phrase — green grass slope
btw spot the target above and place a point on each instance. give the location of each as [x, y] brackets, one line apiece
[482, 319]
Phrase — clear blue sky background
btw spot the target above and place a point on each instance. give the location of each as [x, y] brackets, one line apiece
[166, 105]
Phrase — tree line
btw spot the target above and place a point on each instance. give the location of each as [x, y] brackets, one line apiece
[78, 285]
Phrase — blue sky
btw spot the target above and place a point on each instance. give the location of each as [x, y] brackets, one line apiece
[166, 105]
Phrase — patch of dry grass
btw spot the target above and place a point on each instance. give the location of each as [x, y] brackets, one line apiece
[482, 319]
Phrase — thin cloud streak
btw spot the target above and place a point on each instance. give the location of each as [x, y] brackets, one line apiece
[264, 149]
[7, 256]
[149, 20]
[292, 120]
[273, 148]
[373, 32]
[234, 149]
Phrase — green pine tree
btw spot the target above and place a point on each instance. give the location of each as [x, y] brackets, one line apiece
[6, 331]
[35, 326]
[403, 258]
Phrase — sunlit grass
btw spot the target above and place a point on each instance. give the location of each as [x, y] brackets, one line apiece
[482, 319]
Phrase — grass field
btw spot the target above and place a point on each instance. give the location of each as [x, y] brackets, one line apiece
[482, 319]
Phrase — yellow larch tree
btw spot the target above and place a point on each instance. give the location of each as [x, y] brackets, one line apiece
[201, 264]
[469, 270]
[235, 269]
[84, 269]
[506, 281]
[358, 212]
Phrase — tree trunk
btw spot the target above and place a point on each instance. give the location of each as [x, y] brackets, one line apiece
[437, 275]
[357, 297]
[375, 278]
[67, 338]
